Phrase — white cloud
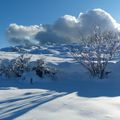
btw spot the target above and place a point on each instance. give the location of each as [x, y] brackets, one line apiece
[20, 33]
[66, 28]
[96, 17]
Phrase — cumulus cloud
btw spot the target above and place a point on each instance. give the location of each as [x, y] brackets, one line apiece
[96, 17]
[66, 29]
[50, 36]
[23, 34]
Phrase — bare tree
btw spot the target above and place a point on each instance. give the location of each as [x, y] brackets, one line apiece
[95, 51]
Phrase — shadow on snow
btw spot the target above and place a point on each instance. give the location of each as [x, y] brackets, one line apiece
[18, 105]
[83, 88]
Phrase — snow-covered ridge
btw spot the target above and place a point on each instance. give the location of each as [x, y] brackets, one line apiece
[46, 49]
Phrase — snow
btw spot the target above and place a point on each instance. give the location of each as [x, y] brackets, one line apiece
[39, 104]
[72, 95]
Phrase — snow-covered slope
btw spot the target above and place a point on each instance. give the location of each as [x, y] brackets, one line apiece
[38, 104]
[72, 95]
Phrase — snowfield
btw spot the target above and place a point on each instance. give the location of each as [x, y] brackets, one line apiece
[72, 95]
[39, 104]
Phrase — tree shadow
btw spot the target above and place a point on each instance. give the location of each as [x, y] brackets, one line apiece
[82, 88]
[88, 89]
[14, 107]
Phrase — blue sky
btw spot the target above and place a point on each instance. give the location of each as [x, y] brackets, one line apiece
[30, 12]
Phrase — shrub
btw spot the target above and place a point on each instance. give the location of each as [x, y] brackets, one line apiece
[15, 67]
[22, 64]
[95, 52]
[42, 69]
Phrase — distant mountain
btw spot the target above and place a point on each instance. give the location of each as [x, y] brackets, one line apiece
[56, 50]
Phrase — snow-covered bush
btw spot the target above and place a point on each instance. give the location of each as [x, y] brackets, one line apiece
[5, 67]
[42, 68]
[15, 67]
[22, 65]
[95, 52]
